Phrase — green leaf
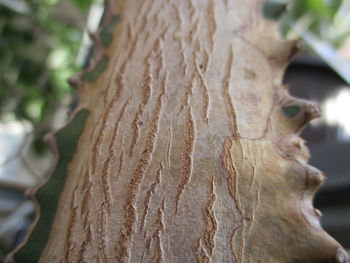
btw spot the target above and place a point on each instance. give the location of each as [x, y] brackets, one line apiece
[284, 25]
[38, 144]
[107, 31]
[274, 10]
[99, 68]
[84, 5]
[48, 195]
[291, 111]
[317, 6]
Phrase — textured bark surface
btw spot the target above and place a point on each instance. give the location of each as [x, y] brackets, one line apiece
[190, 152]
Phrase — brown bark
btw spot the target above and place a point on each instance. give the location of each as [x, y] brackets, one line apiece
[191, 152]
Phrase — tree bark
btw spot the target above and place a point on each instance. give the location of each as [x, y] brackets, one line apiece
[191, 151]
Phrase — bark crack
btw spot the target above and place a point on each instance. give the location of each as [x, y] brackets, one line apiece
[122, 245]
[187, 156]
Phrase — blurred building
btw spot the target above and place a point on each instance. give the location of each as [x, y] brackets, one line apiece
[328, 139]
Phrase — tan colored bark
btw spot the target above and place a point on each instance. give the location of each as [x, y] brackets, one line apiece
[187, 155]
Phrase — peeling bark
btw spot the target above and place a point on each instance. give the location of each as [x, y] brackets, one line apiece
[191, 150]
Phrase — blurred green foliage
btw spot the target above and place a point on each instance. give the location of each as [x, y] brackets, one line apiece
[38, 51]
[327, 19]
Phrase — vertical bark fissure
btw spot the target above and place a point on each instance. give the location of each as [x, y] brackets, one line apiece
[226, 93]
[212, 25]
[200, 254]
[87, 186]
[70, 244]
[85, 243]
[122, 244]
[170, 140]
[159, 253]
[205, 245]
[107, 194]
[188, 93]
[101, 135]
[205, 93]
[211, 221]
[232, 185]
[146, 88]
[187, 156]
[101, 232]
[149, 195]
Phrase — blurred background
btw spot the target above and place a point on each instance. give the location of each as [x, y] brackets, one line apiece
[43, 42]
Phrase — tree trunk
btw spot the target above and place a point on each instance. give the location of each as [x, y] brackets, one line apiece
[190, 152]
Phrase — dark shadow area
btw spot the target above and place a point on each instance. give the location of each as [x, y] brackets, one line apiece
[328, 141]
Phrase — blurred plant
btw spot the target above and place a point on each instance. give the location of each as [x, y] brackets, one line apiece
[323, 24]
[39, 44]
[38, 52]
[327, 19]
